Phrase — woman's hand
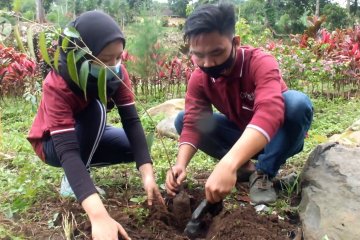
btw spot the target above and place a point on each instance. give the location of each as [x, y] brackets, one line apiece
[106, 228]
[103, 227]
[150, 186]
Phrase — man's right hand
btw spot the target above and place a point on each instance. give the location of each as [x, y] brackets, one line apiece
[174, 177]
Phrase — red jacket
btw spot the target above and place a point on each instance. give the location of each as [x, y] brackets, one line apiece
[59, 105]
[251, 96]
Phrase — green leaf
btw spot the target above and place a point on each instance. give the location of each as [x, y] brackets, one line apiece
[102, 86]
[150, 140]
[79, 54]
[84, 72]
[64, 44]
[71, 32]
[31, 43]
[56, 58]
[71, 65]
[43, 48]
[18, 38]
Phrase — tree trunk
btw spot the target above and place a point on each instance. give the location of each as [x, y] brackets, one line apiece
[317, 9]
[355, 6]
[348, 6]
[40, 12]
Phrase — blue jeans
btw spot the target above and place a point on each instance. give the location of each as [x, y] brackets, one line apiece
[100, 144]
[288, 141]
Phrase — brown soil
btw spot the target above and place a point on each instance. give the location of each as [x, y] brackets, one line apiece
[238, 219]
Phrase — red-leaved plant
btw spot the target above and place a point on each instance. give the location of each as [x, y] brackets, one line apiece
[171, 72]
[15, 67]
[330, 60]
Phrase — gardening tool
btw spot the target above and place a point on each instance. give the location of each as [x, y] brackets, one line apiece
[196, 225]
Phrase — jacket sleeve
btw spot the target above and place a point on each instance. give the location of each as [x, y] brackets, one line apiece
[135, 133]
[197, 109]
[269, 103]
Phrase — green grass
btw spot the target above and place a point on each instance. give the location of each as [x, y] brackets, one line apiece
[330, 117]
[24, 179]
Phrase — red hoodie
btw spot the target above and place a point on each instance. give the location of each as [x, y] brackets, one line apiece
[251, 96]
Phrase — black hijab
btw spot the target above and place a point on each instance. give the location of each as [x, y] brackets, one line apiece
[97, 30]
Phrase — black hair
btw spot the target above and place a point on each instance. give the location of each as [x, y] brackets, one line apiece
[209, 18]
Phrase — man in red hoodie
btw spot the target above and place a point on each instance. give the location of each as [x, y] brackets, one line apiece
[259, 117]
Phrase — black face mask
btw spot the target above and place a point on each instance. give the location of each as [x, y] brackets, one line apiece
[216, 71]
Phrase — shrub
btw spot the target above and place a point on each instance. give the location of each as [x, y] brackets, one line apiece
[15, 68]
[327, 64]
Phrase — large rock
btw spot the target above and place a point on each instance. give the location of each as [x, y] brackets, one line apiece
[169, 111]
[330, 204]
[168, 108]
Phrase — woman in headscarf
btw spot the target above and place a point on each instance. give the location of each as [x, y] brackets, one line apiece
[70, 130]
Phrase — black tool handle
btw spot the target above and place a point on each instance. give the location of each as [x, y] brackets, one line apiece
[207, 207]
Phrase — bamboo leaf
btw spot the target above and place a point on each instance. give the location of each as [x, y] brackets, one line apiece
[71, 32]
[43, 48]
[150, 140]
[71, 65]
[79, 54]
[56, 58]
[84, 72]
[102, 86]
[64, 44]
[30, 37]
[18, 38]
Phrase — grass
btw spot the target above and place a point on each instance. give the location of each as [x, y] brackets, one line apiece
[25, 180]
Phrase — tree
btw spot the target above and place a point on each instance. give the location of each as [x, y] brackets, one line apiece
[317, 9]
[178, 7]
[336, 16]
[5, 4]
[354, 7]
[40, 12]
[138, 5]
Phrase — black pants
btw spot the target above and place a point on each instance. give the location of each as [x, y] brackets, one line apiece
[100, 144]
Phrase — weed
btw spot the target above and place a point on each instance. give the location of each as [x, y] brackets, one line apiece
[68, 225]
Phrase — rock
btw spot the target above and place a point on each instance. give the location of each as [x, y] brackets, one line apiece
[350, 137]
[330, 204]
[166, 127]
[169, 111]
[168, 108]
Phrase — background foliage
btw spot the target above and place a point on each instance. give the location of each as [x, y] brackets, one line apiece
[317, 55]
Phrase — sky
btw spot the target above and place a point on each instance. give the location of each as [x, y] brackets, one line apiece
[340, 2]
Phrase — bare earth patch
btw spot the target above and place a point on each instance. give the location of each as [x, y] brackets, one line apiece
[238, 219]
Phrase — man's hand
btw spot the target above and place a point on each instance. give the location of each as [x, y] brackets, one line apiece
[223, 178]
[220, 182]
[150, 186]
[174, 177]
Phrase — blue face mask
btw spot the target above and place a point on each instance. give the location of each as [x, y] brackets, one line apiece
[95, 69]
